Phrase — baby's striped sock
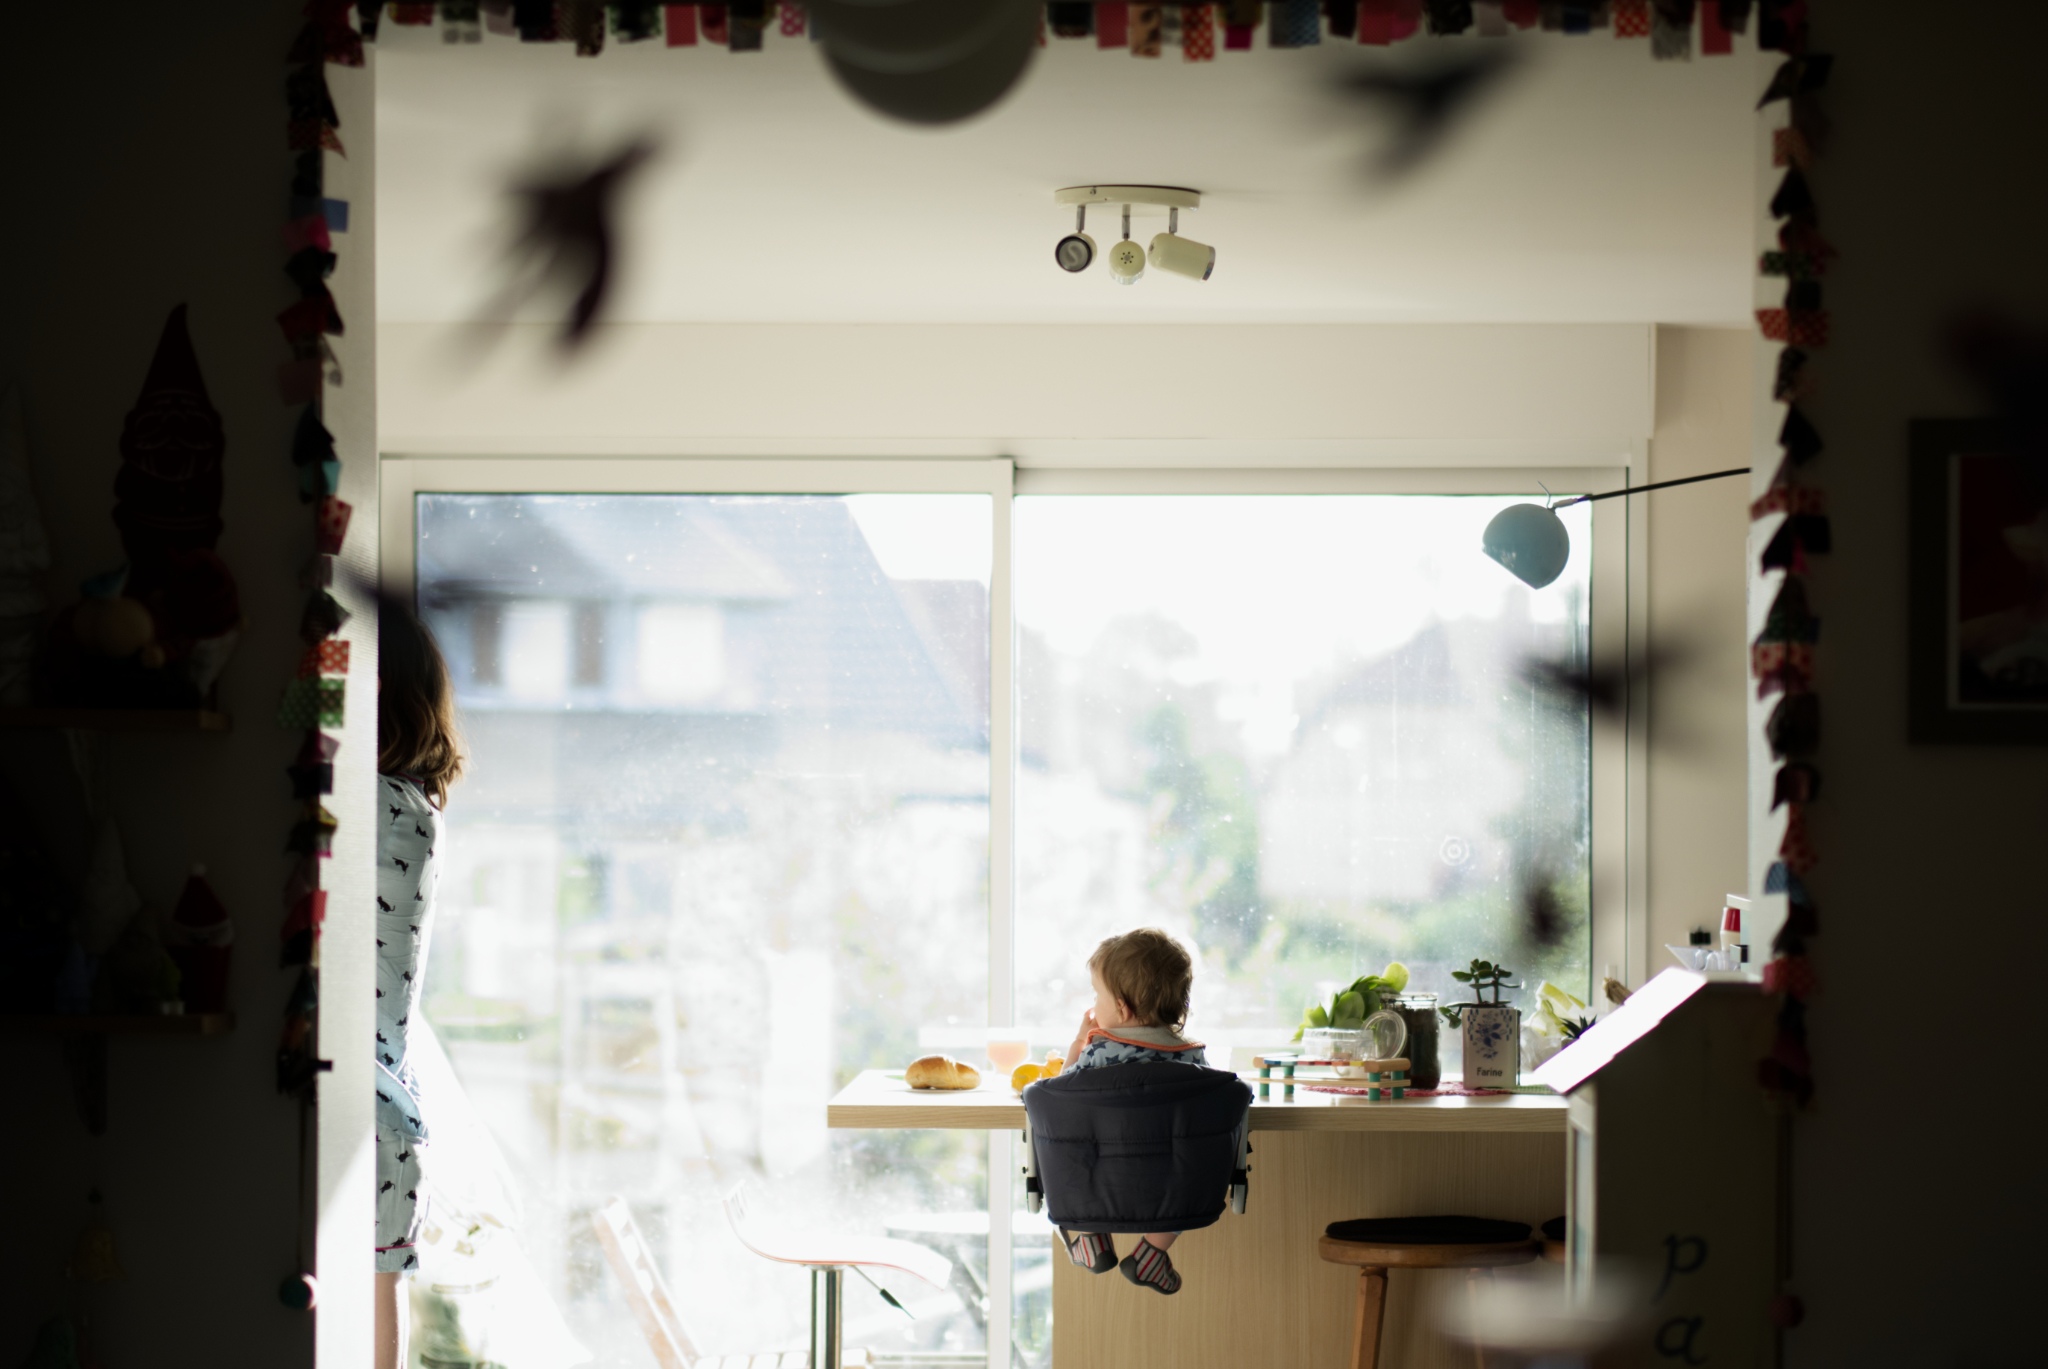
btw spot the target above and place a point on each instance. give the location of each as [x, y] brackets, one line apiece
[1149, 1265]
[1092, 1250]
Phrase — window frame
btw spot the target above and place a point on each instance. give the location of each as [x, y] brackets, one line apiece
[1617, 624]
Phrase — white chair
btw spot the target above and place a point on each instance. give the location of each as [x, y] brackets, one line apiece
[668, 1336]
[828, 1255]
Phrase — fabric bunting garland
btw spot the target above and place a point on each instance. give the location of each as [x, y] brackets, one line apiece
[1676, 30]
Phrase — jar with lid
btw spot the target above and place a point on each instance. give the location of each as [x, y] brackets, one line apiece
[1418, 1011]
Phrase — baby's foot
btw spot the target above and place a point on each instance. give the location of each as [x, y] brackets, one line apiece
[1092, 1250]
[1149, 1266]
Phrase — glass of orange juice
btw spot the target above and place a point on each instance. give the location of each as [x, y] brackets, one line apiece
[1008, 1052]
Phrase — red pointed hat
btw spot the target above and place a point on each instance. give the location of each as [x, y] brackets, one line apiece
[167, 494]
[175, 366]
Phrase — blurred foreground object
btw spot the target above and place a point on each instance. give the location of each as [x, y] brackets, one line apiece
[567, 240]
[927, 61]
[1537, 1321]
[1424, 105]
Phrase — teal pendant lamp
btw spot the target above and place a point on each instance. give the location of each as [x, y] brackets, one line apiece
[1530, 540]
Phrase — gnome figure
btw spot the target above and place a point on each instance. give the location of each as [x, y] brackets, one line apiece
[167, 507]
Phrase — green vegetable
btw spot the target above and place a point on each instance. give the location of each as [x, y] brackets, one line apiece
[1349, 1007]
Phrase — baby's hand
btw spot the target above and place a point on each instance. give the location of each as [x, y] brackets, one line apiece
[1088, 1024]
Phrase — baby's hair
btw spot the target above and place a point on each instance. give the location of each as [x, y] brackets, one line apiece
[1150, 972]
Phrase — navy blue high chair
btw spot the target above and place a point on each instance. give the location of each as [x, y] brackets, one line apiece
[1153, 1146]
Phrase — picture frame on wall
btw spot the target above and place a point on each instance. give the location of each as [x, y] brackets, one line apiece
[1978, 561]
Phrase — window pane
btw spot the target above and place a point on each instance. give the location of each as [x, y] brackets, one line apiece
[723, 844]
[1293, 731]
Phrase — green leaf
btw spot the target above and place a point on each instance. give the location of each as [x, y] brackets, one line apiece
[1461, 976]
[1395, 976]
[1316, 1018]
[1350, 1010]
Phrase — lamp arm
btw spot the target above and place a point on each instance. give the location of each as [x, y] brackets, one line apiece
[1644, 489]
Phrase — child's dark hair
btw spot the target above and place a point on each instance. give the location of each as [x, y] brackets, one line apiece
[416, 733]
[1150, 972]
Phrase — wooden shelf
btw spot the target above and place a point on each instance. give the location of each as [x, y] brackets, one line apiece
[123, 1024]
[118, 719]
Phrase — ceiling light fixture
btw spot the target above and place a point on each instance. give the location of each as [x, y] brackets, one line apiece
[1169, 251]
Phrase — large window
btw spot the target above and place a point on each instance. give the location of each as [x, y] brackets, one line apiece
[1294, 730]
[770, 788]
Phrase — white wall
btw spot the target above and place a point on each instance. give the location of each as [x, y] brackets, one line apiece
[1402, 394]
[1699, 656]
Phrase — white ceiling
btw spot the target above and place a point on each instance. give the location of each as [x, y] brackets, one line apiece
[1596, 185]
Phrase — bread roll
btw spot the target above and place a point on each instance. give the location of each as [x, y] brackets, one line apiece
[941, 1072]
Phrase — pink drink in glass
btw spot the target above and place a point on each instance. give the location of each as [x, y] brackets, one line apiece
[1008, 1053]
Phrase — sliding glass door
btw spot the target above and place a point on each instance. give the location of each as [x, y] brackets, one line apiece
[724, 843]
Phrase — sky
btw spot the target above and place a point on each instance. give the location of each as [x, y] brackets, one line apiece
[1274, 588]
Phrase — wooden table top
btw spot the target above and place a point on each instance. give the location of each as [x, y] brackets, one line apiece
[879, 1099]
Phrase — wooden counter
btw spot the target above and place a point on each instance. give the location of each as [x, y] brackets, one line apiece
[1257, 1293]
[880, 1099]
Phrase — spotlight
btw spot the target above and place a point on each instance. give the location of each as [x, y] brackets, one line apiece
[1182, 256]
[1126, 262]
[1076, 251]
[1126, 259]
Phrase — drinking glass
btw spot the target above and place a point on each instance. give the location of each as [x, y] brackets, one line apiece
[1007, 1053]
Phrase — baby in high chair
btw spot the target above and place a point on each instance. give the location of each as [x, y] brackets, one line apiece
[1142, 983]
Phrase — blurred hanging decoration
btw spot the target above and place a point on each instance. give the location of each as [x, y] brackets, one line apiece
[1423, 106]
[567, 240]
[312, 691]
[930, 61]
[939, 61]
[1783, 655]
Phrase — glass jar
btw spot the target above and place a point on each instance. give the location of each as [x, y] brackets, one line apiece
[1418, 1010]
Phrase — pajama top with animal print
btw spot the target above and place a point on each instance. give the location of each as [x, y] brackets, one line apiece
[409, 828]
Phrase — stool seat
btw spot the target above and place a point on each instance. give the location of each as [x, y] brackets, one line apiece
[1486, 1256]
[1376, 1245]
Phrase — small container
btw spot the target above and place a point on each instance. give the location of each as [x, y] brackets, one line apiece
[1334, 1043]
[1425, 1063]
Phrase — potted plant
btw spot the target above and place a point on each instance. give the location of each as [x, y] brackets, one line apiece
[1493, 1029]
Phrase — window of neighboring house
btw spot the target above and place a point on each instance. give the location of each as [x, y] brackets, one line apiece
[679, 652]
[589, 672]
[486, 645]
[535, 650]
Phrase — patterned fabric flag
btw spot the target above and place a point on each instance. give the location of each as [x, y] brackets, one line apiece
[1715, 39]
[1112, 25]
[1376, 22]
[332, 524]
[1197, 33]
[1796, 850]
[1145, 25]
[324, 658]
[312, 702]
[1671, 30]
[793, 20]
[1631, 18]
[681, 23]
[1296, 24]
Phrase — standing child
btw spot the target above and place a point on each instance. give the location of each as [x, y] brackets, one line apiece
[1143, 981]
[418, 757]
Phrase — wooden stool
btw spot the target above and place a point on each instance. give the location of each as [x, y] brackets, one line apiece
[1377, 1245]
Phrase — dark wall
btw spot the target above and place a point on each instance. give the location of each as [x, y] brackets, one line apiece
[1915, 1166]
[145, 164]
